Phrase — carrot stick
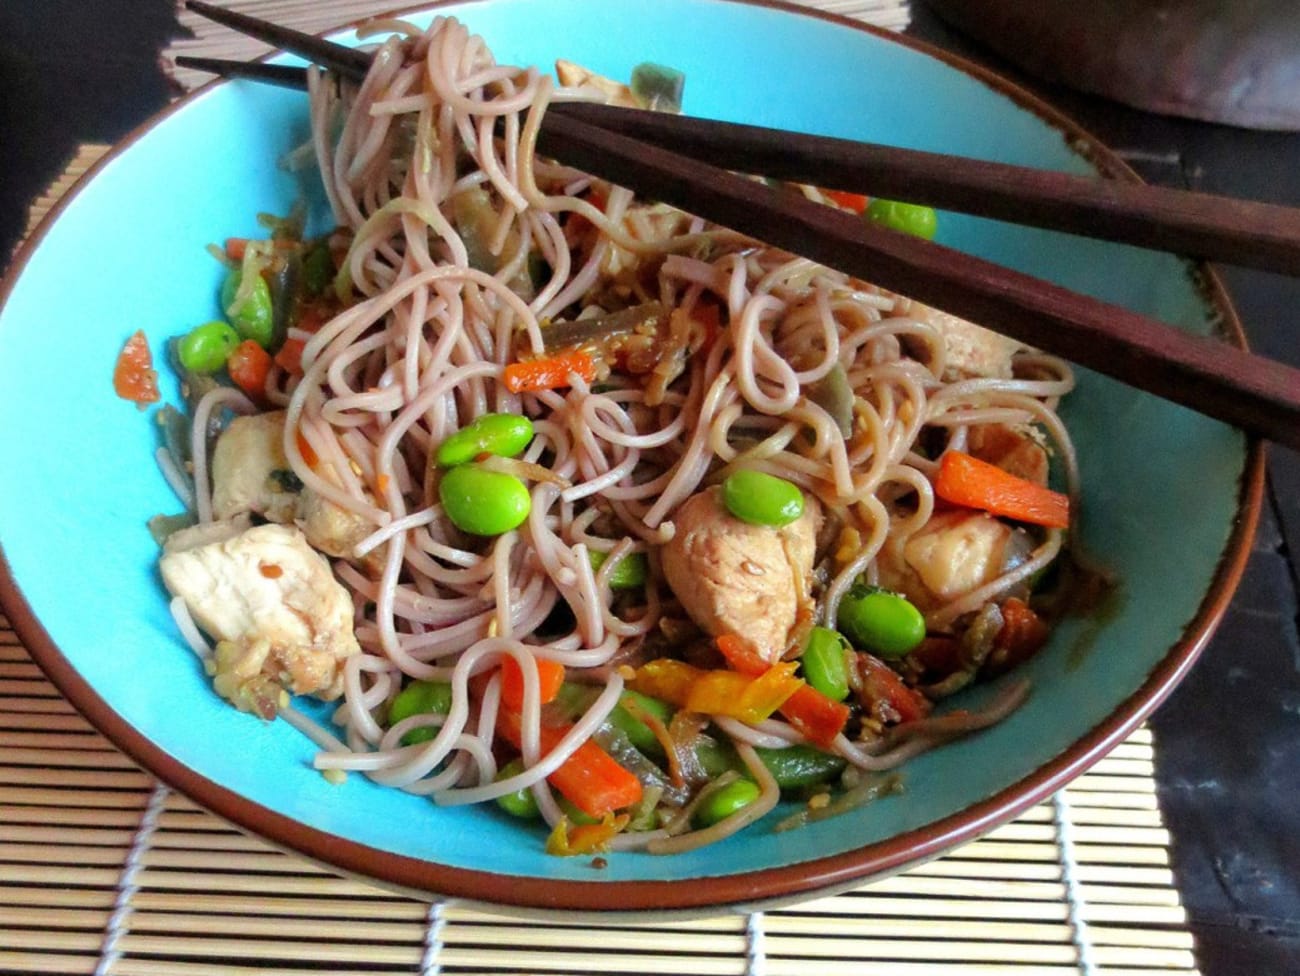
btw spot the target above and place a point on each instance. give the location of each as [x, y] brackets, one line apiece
[968, 481]
[248, 366]
[550, 675]
[549, 373]
[591, 779]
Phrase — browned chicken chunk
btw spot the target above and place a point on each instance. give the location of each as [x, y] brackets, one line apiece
[735, 578]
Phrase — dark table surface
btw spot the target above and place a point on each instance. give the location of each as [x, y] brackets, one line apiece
[1227, 742]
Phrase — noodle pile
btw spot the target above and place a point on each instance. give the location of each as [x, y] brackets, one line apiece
[420, 350]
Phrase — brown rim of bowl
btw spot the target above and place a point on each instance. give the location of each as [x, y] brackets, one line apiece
[702, 894]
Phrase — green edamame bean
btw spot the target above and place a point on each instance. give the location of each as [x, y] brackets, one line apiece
[823, 664]
[881, 622]
[205, 348]
[628, 573]
[910, 218]
[483, 502]
[722, 803]
[520, 803]
[254, 319]
[637, 732]
[762, 499]
[420, 698]
[577, 817]
[502, 434]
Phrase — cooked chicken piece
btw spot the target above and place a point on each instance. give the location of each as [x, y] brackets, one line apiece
[275, 602]
[972, 349]
[1011, 450]
[954, 553]
[207, 533]
[335, 530]
[250, 472]
[735, 578]
[576, 76]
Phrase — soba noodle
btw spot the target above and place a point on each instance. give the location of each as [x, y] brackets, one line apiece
[419, 349]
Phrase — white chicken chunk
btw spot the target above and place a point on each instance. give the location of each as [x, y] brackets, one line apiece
[735, 578]
[271, 601]
[250, 472]
[972, 350]
[1014, 451]
[335, 530]
[952, 554]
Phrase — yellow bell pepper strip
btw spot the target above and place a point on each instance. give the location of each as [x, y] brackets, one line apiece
[818, 718]
[570, 840]
[748, 698]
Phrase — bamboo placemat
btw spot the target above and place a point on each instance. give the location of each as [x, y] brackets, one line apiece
[105, 871]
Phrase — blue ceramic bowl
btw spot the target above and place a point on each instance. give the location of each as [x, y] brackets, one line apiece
[1170, 497]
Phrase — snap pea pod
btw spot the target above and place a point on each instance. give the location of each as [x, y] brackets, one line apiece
[793, 768]
[637, 731]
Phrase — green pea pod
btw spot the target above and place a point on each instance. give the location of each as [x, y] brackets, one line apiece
[483, 502]
[723, 802]
[420, 698]
[638, 732]
[502, 434]
[823, 664]
[629, 573]
[761, 499]
[800, 766]
[520, 803]
[793, 768]
[879, 621]
[255, 317]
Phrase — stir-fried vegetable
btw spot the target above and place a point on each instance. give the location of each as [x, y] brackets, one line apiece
[823, 663]
[483, 502]
[252, 316]
[134, 377]
[205, 348]
[420, 698]
[881, 622]
[909, 218]
[817, 717]
[718, 692]
[657, 87]
[966, 480]
[502, 434]
[550, 676]
[629, 573]
[549, 373]
[521, 803]
[591, 778]
[249, 365]
[761, 499]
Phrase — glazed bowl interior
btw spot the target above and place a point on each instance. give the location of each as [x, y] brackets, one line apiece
[1168, 495]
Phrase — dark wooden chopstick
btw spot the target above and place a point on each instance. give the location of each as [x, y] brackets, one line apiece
[1256, 394]
[347, 61]
[1207, 375]
[1195, 224]
[1201, 225]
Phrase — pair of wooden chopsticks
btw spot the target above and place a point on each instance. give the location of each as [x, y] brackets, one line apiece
[661, 156]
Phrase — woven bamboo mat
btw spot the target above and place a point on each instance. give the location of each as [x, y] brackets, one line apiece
[105, 871]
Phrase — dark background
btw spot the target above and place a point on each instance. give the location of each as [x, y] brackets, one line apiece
[1228, 741]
